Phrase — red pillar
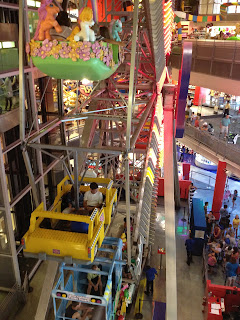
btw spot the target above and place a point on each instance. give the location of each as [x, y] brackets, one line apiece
[219, 188]
[196, 96]
[186, 170]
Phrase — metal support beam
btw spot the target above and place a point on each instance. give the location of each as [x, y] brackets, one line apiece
[170, 237]
[30, 176]
[142, 121]
[8, 219]
[76, 191]
[131, 97]
[108, 150]
[21, 71]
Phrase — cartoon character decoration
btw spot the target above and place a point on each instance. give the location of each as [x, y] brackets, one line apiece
[114, 28]
[124, 240]
[85, 21]
[122, 303]
[47, 19]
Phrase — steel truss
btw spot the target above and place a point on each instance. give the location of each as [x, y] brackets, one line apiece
[115, 122]
[115, 132]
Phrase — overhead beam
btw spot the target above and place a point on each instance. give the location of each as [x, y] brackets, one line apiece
[108, 150]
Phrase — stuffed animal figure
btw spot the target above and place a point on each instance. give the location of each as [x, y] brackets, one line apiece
[115, 26]
[86, 21]
[47, 20]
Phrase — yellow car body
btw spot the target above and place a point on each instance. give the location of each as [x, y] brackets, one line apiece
[71, 247]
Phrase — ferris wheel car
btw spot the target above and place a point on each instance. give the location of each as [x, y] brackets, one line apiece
[59, 242]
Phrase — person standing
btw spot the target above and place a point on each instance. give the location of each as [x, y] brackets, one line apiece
[150, 275]
[224, 217]
[196, 124]
[224, 125]
[182, 152]
[231, 271]
[189, 247]
[236, 222]
[205, 209]
[226, 109]
[194, 117]
[234, 198]
[191, 190]
[210, 219]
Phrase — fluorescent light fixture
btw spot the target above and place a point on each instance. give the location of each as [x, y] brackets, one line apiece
[8, 44]
[0, 45]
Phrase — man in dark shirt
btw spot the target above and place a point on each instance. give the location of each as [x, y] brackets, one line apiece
[189, 248]
[150, 275]
[224, 220]
[74, 307]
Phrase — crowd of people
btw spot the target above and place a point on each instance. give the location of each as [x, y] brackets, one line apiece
[223, 244]
[197, 122]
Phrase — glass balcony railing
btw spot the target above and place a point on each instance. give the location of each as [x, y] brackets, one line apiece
[218, 146]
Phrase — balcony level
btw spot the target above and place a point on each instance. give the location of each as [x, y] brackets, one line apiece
[213, 148]
[215, 64]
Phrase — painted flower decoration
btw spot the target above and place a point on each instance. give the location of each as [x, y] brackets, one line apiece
[34, 52]
[64, 53]
[47, 45]
[79, 44]
[42, 53]
[92, 55]
[56, 56]
[105, 51]
[73, 45]
[84, 55]
[95, 47]
[86, 45]
[54, 43]
[35, 44]
[101, 55]
[64, 45]
[107, 60]
[85, 50]
[56, 49]
[74, 56]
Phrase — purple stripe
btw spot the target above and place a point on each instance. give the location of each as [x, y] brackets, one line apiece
[183, 88]
[159, 311]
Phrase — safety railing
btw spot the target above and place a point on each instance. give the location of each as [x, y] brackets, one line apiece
[218, 146]
[210, 180]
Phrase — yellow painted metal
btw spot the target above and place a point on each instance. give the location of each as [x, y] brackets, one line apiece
[57, 243]
[150, 175]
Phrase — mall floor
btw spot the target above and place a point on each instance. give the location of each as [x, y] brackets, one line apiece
[190, 288]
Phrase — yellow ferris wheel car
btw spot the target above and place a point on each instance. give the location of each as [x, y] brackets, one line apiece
[50, 236]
